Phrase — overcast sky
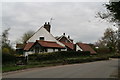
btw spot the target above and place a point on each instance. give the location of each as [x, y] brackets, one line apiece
[76, 19]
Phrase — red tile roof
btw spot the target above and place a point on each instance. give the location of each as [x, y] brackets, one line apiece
[86, 47]
[28, 45]
[69, 45]
[49, 44]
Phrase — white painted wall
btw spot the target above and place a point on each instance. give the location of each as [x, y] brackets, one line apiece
[63, 49]
[56, 50]
[27, 53]
[78, 48]
[47, 36]
[50, 50]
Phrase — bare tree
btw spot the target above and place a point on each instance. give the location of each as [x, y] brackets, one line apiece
[113, 15]
[26, 36]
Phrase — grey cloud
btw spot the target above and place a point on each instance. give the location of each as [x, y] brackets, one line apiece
[75, 19]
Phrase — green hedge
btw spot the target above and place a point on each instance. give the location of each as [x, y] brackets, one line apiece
[8, 58]
[83, 60]
[58, 55]
[103, 50]
[115, 56]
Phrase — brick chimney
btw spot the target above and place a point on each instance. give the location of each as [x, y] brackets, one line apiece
[47, 26]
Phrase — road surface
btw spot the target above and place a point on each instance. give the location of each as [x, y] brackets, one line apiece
[98, 69]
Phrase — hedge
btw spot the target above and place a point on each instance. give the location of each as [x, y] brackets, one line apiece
[58, 55]
[8, 58]
[115, 56]
[103, 50]
[83, 60]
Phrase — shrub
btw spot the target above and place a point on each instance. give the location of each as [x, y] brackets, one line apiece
[57, 55]
[103, 50]
[115, 56]
[82, 60]
[5, 51]
[8, 58]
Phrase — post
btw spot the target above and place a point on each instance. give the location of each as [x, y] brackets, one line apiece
[26, 57]
[118, 41]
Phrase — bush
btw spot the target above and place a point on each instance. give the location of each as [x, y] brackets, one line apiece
[82, 60]
[8, 58]
[103, 50]
[58, 55]
[5, 51]
[115, 56]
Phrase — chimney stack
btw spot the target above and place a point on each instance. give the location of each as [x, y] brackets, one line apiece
[47, 26]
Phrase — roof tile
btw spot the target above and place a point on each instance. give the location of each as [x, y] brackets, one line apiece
[49, 44]
[28, 45]
[70, 45]
[86, 47]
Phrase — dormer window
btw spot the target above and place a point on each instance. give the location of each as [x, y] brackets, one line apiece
[41, 38]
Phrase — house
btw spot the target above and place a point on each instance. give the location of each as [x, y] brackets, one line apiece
[44, 34]
[43, 41]
[19, 48]
[64, 38]
[66, 41]
[41, 46]
[84, 47]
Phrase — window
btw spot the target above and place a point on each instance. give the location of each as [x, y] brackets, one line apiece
[31, 50]
[46, 50]
[41, 38]
[59, 49]
[53, 50]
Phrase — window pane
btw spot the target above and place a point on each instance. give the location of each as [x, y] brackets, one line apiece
[41, 38]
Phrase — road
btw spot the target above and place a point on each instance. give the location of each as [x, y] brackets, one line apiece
[98, 69]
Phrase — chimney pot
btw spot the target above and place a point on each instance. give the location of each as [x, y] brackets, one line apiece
[48, 23]
[64, 34]
[69, 37]
[45, 23]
